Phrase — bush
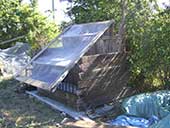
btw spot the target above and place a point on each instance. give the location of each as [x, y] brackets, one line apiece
[147, 35]
[150, 57]
[19, 19]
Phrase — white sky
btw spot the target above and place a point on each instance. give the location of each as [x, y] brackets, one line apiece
[60, 7]
[161, 2]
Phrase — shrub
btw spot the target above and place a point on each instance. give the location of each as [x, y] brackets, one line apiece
[19, 19]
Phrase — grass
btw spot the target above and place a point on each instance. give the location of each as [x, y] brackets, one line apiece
[17, 110]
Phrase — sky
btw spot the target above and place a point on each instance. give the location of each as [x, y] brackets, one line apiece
[161, 2]
[60, 8]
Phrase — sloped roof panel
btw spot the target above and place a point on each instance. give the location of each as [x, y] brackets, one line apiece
[55, 62]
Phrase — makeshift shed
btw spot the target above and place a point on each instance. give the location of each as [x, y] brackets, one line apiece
[83, 67]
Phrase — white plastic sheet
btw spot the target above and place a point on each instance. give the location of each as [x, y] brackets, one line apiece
[14, 58]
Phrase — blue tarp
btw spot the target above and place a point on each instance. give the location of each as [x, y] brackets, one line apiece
[148, 104]
[164, 123]
[124, 120]
[144, 110]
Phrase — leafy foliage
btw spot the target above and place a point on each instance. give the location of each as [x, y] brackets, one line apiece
[90, 10]
[23, 19]
[150, 58]
[147, 35]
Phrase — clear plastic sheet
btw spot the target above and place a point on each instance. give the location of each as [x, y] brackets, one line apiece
[14, 58]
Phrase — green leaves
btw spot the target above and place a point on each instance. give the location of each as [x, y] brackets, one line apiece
[22, 19]
[152, 58]
[147, 35]
[90, 10]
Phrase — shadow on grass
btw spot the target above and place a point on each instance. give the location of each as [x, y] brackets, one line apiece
[4, 82]
[18, 110]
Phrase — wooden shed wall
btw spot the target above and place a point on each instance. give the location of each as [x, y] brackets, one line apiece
[101, 55]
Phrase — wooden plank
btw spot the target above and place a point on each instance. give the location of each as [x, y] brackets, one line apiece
[97, 61]
[86, 59]
[97, 73]
[73, 75]
[106, 88]
[95, 48]
[103, 84]
[106, 37]
[60, 107]
[89, 81]
[101, 47]
[106, 44]
[100, 65]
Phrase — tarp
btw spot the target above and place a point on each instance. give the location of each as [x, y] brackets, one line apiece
[164, 123]
[148, 104]
[125, 120]
[13, 58]
[144, 110]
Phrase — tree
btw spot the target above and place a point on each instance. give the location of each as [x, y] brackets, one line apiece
[22, 19]
[147, 35]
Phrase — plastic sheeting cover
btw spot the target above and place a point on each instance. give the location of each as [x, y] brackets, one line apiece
[14, 58]
[148, 104]
[124, 120]
[164, 123]
[64, 51]
[141, 111]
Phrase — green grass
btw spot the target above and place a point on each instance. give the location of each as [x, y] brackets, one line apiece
[17, 110]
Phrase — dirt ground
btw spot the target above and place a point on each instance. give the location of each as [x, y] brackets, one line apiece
[17, 110]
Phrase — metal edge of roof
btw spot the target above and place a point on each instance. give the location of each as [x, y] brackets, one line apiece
[106, 21]
[53, 86]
